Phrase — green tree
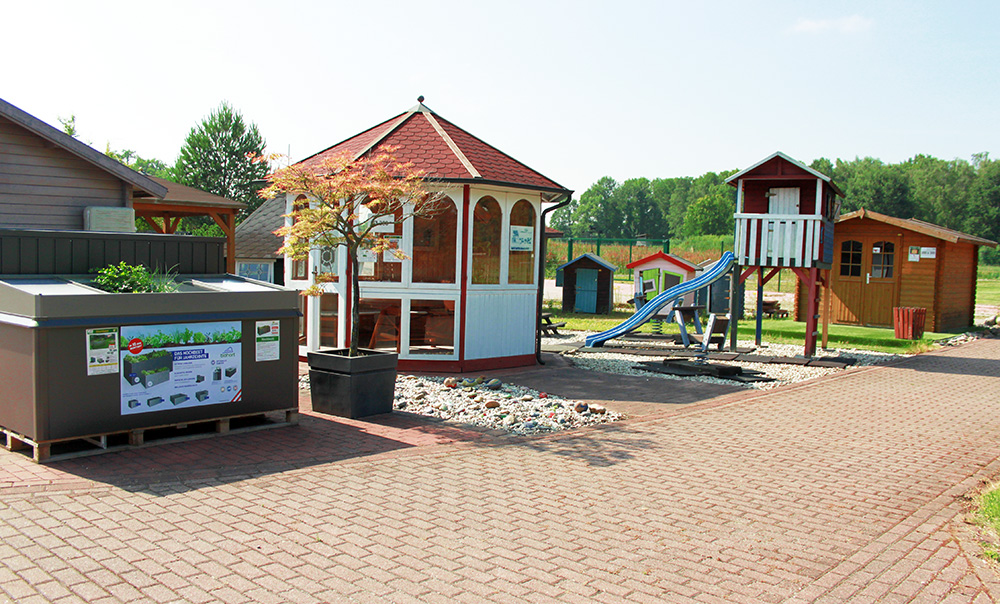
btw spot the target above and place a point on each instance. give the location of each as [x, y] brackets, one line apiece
[596, 215]
[878, 187]
[940, 189]
[984, 200]
[639, 211]
[562, 219]
[710, 215]
[216, 157]
[150, 167]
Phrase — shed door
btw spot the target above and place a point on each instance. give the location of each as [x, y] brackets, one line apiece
[783, 200]
[865, 283]
[881, 278]
[586, 290]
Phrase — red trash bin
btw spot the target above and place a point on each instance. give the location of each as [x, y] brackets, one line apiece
[909, 322]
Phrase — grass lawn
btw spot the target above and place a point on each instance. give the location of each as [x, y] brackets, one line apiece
[989, 516]
[988, 291]
[777, 331]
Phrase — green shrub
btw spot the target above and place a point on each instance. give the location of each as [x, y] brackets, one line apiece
[125, 278]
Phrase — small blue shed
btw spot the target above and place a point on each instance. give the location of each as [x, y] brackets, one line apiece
[587, 284]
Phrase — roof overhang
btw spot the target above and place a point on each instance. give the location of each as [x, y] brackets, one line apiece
[919, 226]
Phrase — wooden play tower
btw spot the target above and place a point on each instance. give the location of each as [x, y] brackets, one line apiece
[785, 212]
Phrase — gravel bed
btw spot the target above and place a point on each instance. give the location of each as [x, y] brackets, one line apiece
[518, 410]
[609, 361]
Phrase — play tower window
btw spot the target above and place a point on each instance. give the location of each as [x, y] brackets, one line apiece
[486, 242]
[522, 243]
[434, 246]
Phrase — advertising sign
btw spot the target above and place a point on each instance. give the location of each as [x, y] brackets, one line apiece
[522, 238]
[102, 350]
[268, 338]
[180, 365]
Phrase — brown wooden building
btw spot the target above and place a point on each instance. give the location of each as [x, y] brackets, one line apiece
[881, 262]
[50, 180]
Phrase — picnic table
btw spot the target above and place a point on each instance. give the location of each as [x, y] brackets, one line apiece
[547, 326]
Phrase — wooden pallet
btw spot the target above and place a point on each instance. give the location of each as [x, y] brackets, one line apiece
[94, 444]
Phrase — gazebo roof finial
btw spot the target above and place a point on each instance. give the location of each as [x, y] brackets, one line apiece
[420, 99]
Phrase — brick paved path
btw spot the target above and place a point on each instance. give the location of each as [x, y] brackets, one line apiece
[848, 488]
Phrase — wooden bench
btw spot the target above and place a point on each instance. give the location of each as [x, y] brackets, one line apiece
[547, 326]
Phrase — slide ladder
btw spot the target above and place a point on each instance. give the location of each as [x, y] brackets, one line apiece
[665, 300]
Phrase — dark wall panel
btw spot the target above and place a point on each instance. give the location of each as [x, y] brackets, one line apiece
[79, 252]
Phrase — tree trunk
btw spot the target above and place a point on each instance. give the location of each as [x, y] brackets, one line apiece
[355, 302]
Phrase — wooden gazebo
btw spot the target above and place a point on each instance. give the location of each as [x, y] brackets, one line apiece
[181, 201]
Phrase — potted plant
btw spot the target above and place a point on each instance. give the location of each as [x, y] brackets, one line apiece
[348, 202]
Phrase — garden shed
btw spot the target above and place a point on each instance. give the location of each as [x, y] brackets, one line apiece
[881, 262]
[587, 285]
[54, 181]
[467, 294]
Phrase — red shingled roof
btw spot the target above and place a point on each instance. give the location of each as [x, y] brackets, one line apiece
[441, 149]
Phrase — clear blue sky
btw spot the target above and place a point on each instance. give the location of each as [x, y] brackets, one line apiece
[577, 90]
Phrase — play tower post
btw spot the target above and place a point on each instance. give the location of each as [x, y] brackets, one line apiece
[785, 213]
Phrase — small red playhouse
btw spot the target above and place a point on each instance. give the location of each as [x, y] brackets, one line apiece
[785, 212]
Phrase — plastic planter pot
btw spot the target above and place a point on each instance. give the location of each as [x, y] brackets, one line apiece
[352, 387]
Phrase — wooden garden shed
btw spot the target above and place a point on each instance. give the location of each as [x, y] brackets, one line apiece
[881, 262]
[588, 285]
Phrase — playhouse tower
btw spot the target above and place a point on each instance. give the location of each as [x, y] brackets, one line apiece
[785, 213]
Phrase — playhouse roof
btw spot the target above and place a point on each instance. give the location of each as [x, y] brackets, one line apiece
[442, 150]
[589, 256]
[779, 156]
[665, 257]
[919, 226]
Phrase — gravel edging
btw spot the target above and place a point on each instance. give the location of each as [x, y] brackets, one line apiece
[517, 410]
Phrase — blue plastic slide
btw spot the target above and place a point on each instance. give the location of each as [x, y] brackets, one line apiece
[669, 297]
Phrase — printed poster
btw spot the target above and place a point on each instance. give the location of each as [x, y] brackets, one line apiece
[102, 350]
[522, 238]
[180, 365]
[914, 254]
[268, 337]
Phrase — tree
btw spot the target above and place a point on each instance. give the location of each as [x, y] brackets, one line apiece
[877, 187]
[639, 211]
[710, 215]
[150, 167]
[595, 214]
[347, 201]
[984, 200]
[216, 157]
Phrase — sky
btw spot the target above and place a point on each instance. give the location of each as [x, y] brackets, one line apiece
[576, 90]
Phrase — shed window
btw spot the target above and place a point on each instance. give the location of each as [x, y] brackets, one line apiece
[434, 245]
[486, 242]
[883, 259]
[850, 259]
[300, 267]
[522, 243]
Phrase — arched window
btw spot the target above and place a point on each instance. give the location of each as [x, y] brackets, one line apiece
[850, 259]
[383, 266]
[521, 266]
[434, 245]
[883, 259]
[486, 241]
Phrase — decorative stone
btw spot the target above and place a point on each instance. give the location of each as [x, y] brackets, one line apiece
[527, 397]
[450, 382]
[580, 407]
[598, 409]
[491, 404]
[542, 395]
[494, 384]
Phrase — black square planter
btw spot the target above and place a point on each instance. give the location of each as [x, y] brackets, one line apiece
[352, 387]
